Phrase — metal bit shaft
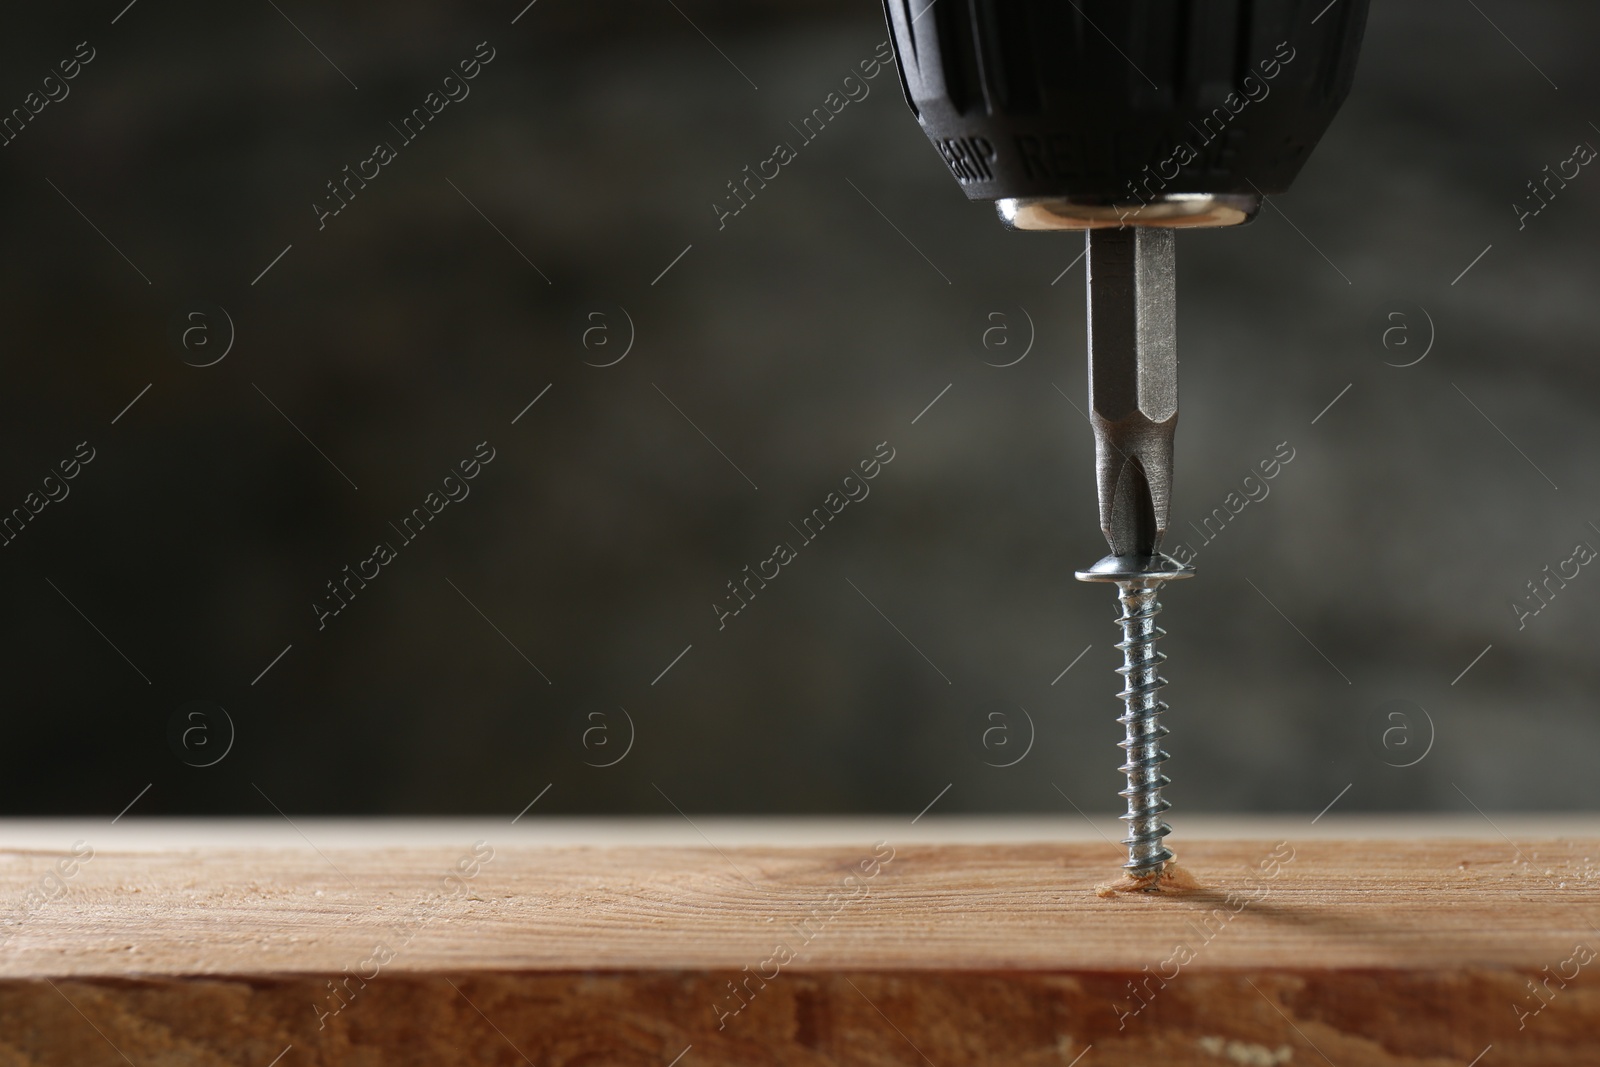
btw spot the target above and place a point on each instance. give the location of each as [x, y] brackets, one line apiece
[1133, 382]
[1133, 397]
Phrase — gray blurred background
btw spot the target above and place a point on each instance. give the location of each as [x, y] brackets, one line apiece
[161, 632]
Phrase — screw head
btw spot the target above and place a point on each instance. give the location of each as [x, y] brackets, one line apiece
[1141, 570]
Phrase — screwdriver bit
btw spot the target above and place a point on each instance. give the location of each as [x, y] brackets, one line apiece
[1133, 382]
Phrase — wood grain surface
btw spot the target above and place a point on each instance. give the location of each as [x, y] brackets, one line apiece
[1418, 949]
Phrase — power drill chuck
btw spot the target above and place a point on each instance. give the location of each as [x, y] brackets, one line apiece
[1075, 114]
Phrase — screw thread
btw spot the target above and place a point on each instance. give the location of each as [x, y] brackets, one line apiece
[1141, 720]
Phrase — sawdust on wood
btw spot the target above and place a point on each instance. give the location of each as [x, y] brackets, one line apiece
[1172, 879]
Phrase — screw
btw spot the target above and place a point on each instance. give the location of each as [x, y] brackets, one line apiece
[1137, 580]
[1141, 720]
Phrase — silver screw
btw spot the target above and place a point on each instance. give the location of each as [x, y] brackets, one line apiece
[1142, 723]
[1137, 580]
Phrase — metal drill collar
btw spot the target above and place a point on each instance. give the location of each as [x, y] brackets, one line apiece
[1164, 210]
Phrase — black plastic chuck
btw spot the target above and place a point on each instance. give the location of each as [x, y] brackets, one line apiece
[1124, 101]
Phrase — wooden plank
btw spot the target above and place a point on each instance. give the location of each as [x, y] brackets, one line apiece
[1420, 951]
